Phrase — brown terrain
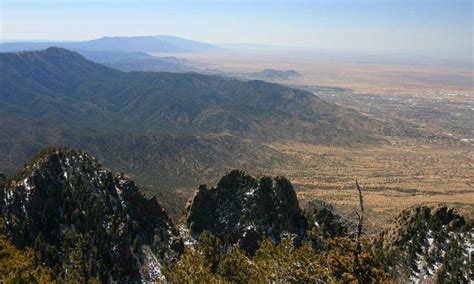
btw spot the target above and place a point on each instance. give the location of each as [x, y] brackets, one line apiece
[393, 176]
[360, 75]
[431, 169]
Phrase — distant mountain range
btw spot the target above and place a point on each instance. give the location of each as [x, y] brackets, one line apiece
[159, 43]
[140, 61]
[130, 54]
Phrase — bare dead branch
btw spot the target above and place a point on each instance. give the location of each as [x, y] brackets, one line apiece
[360, 227]
[361, 215]
[361, 200]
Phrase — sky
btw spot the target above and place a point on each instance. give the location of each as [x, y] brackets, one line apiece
[326, 24]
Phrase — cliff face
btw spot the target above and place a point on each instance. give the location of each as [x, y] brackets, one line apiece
[428, 244]
[243, 210]
[70, 209]
[80, 222]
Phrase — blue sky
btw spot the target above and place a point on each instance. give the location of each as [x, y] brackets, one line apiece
[337, 24]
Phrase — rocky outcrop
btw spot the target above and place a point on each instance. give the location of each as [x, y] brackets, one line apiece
[427, 244]
[70, 209]
[327, 223]
[242, 210]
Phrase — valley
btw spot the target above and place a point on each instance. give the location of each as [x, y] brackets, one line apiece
[405, 149]
[236, 142]
[433, 162]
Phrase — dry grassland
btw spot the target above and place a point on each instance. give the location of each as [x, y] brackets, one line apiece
[394, 176]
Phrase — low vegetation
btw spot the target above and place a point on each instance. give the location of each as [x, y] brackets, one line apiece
[281, 262]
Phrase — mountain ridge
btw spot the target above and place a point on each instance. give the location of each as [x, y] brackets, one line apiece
[159, 43]
[81, 103]
[65, 203]
[139, 61]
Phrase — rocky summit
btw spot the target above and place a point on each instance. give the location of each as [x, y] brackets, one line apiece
[242, 210]
[75, 213]
[65, 218]
[428, 244]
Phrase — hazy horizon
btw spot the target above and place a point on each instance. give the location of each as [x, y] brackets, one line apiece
[331, 25]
